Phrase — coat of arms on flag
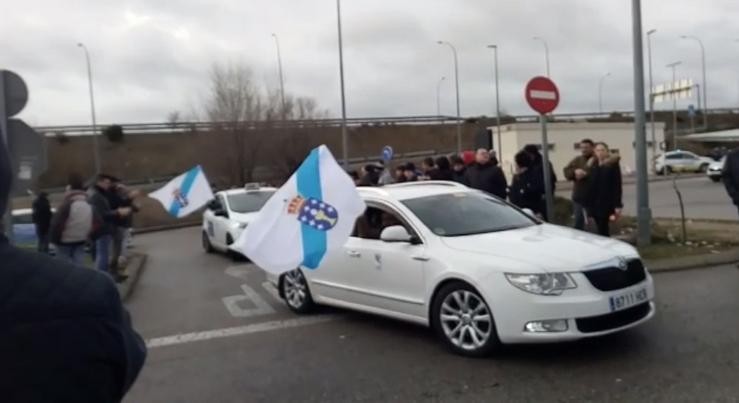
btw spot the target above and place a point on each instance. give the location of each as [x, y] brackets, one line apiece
[314, 213]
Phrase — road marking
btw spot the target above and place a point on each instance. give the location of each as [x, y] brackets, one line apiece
[272, 290]
[238, 331]
[233, 304]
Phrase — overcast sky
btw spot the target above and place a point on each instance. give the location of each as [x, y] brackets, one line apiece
[152, 57]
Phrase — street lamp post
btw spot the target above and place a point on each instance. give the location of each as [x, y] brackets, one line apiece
[703, 67]
[546, 50]
[438, 96]
[344, 136]
[600, 91]
[456, 83]
[497, 102]
[673, 66]
[651, 88]
[282, 77]
[96, 148]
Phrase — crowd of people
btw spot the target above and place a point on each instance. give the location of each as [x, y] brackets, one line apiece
[596, 177]
[98, 217]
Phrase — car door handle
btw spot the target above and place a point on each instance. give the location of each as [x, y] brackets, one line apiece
[421, 258]
[353, 253]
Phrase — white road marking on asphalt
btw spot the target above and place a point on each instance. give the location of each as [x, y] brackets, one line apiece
[272, 290]
[238, 331]
[261, 307]
[239, 271]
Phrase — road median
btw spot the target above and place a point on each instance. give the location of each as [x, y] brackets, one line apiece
[133, 270]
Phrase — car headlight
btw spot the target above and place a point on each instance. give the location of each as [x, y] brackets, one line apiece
[542, 283]
[239, 225]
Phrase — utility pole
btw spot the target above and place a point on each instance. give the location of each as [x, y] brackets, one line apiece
[673, 93]
[344, 135]
[644, 214]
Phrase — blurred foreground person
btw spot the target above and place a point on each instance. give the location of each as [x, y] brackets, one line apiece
[604, 202]
[64, 334]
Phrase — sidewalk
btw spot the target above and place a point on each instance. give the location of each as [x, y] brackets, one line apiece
[630, 180]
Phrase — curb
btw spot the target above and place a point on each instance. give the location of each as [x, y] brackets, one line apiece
[166, 227]
[693, 262]
[134, 269]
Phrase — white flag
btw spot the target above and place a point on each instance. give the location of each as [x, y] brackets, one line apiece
[313, 213]
[185, 194]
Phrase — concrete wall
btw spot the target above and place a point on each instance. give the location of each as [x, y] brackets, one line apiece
[563, 137]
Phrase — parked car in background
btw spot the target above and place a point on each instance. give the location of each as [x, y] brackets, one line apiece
[715, 169]
[230, 213]
[681, 161]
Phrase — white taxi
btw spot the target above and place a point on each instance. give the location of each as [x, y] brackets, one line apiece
[230, 213]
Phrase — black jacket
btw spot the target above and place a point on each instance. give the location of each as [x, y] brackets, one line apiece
[488, 178]
[42, 213]
[604, 189]
[730, 174]
[460, 177]
[440, 174]
[64, 334]
[101, 203]
[527, 190]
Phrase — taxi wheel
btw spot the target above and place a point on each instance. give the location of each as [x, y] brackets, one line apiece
[207, 246]
[294, 289]
[464, 322]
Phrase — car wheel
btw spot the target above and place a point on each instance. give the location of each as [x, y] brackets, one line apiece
[716, 178]
[295, 290]
[207, 246]
[703, 168]
[667, 170]
[463, 320]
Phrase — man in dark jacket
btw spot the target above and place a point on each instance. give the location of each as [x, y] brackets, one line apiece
[486, 176]
[42, 220]
[577, 172]
[730, 174]
[100, 199]
[527, 188]
[64, 334]
[458, 170]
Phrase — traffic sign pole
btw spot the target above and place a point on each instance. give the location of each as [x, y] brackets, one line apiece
[548, 196]
[7, 218]
[543, 96]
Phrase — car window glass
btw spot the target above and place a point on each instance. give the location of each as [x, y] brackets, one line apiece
[374, 220]
[675, 156]
[249, 202]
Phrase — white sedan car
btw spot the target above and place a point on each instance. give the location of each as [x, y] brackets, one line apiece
[478, 271]
[230, 213]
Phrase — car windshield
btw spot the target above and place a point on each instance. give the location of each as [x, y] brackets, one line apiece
[466, 213]
[249, 202]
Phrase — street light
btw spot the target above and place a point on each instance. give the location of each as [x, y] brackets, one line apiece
[456, 80]
[651, 88]
[96, 150]
[282, 78]
[497, 102]
[644, 213]
[344, 137]
[703, 66]
[546, 50]
[673, 66]
[600, 91]
[438, 96]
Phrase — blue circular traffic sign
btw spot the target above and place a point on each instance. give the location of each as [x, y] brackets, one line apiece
[387, 153]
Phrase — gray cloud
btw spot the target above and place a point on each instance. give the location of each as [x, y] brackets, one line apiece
[153, 57]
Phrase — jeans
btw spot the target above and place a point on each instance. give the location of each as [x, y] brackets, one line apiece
[43, 240]
[74, 253]
[579, 212]
[102, 252]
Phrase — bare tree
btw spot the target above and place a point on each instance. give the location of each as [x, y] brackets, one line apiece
[173, 118]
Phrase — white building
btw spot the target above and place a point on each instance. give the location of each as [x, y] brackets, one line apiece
[564, 139]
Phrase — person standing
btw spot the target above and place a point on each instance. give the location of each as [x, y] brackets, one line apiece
[72, 225]
[41, 215]
[527, 187]
[486, 175]
[730, 174]
[410, 173]
[99, 198]
[577, 172]
[458, 170]
[429, 170]
[64, 333]
[604, 202]
[124, 198]
[444, 169]
[538, 168]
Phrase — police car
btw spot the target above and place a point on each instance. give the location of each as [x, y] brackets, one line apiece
[230, 213]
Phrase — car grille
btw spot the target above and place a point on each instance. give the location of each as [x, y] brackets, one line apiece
[613, 278]
[613, 320]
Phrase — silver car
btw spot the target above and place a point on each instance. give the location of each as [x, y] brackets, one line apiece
[714, 170]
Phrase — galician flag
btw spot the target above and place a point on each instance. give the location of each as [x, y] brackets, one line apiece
[185, 194]
[313, 213]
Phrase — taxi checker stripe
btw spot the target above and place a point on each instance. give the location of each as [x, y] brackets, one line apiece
[309, 186]
[187, 182]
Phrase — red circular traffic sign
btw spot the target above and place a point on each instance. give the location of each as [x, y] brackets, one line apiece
[542, 95]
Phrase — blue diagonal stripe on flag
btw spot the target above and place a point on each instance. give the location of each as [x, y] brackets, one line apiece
[309, 186]
[187, 182]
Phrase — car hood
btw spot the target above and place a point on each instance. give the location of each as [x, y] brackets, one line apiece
[716, 165]
[244, 218]
[546, 247]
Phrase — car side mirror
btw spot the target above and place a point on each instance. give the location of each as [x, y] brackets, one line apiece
[219, 212]
[396, 233]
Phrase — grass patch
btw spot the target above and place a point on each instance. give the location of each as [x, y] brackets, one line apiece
[665, 250]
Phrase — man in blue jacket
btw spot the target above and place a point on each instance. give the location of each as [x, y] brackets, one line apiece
[64, 334]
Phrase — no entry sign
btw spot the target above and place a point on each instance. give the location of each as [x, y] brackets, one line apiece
[542, 95]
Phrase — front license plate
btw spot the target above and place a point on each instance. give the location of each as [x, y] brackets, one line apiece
[629, 299]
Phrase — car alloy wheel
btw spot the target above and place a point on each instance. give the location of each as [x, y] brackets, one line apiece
[464, 321]
[295, 291]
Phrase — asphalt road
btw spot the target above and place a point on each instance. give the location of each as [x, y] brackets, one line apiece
[217, 335]
[702, 198]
